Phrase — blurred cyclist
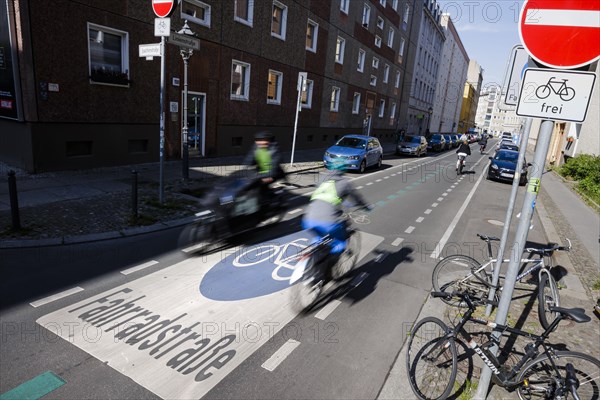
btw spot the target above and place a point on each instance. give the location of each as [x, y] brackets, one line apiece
[265, 156]
[463, 151]
[483, 143]
[324, 212]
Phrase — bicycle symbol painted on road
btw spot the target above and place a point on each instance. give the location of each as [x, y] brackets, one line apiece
[277, 255]
[558, 87]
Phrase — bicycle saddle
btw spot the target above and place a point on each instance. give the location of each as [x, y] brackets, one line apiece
[575, 314]
[488, 238]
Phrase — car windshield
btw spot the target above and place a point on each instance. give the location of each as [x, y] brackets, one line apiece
[506, 156]
[436, 137]
[412, 139]
[354, 143]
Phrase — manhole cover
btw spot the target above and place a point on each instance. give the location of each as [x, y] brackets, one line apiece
[494, 222]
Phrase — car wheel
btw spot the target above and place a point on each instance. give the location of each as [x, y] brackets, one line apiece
[362, 167]
[379, 162]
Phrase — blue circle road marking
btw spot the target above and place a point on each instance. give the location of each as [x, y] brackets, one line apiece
[254, 271]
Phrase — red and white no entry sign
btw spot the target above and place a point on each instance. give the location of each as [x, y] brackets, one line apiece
[163, 8]
[561, 33]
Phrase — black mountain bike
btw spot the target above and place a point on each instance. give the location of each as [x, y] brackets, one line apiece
[432, 360]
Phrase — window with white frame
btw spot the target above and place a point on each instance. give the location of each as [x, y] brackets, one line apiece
[366, 16]
[279, 20]
[382, 2]
[312, 34]
[361, 60]
[344, 6]
[334, 104]
[392, 112]
[386, 73]
[108, 54]
[405, 16]
[275, 82]
[377, 41]
[381, 108]
[306, 95]
[390, 41]
[395, 5]
[373, 81]
[244, 11]
[380, 22]
[402, 44]
[397, 83]
[196, 12]
[375, 62]
[240, 80]
[340, 47]
[356, 103]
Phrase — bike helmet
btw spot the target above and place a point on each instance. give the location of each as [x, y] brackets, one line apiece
[263, 135]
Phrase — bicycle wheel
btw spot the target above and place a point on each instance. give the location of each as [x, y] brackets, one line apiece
[306, 292]
[431, 360]
[567, 94]
[548, 296]
[541, 380]
[348, 259]
[543, 91]
[464, 274]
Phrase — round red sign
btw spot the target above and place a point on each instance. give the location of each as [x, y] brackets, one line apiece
[163, 8]
[561, 33]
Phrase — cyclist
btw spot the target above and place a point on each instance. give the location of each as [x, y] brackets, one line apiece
[463, 151]
[324, 212]
[483, 143]
[265, 156]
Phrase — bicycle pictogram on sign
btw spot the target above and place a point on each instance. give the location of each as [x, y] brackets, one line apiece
[558, 87]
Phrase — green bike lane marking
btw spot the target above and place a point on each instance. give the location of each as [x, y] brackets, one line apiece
[35, 388]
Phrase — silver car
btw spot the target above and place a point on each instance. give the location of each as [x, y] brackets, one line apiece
[412, 145]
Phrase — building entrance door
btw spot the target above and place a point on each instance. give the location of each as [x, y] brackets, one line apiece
[196, 116]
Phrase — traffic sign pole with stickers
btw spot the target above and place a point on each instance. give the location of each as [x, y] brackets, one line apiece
[562, 34]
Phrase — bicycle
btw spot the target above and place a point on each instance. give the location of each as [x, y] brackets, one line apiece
[460, 163]
[464, 273]
[315, 266]
[432, 358]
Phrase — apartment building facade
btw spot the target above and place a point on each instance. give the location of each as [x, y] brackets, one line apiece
[494, 116]
[81, 96]
[470, 98]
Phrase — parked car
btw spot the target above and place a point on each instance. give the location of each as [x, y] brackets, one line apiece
[456, 140]
[358, 152]
[436, 143]
[507, 146]
[503, 165]
[412, 145]
[449, 142]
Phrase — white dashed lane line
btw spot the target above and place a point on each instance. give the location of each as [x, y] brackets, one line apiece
[360, 187]
[56, 296]
[139, 267]
[409, 229]
[397, 242]
[440, 199]
[280, 355]
[434, 205]
[369, 184]
[419, 220]
[327, 310]
[448, 191]
[428, 211]
[444, 194]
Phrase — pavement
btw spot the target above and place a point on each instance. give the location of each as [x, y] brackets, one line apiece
[48, 199]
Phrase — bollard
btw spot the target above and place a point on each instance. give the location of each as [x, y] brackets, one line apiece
[134, 194]
[14, 201]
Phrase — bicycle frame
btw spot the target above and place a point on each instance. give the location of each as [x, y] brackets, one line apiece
[538, 264]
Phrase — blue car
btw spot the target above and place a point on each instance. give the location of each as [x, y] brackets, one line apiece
[358, 152]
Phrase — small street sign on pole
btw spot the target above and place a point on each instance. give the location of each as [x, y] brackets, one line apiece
[150, 50]
[184, 41]
[519, 60]
[162, 27]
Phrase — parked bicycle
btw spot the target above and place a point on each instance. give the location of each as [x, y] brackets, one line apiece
[315, 266]
[432, 358]
[464, 273]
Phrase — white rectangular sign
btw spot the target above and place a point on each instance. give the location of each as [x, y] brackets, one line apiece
[556, 94]
[150, 50]
[512, 86]
[184, 41]
[162, 27]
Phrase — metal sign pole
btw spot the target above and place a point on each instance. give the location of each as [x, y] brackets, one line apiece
[533, 188]
[509, 212]
[301, 85]
[161, 195]
[185, 54]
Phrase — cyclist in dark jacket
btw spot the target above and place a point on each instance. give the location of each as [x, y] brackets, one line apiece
[482, 143]
[266, 159]
[463, 151]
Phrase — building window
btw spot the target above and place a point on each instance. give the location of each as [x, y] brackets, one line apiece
[306, 96]
[380, 22]
[244, 11]
[240, 80]
[406, 15]
[196, 12]
[108, 55]
[386, 73]
[334, 104]
[381, 108]
[339, 50]
[382, 2]
[392, 113]
[356, 103]
[402, 44]
[366, 16]
[390, 41]
[312, 33]
[279, 21]
[344, 5]
[373, 80]
[361, 60]
[375, 62]
[274, 87]
[377, 41]
[395, 5]
[397, 83]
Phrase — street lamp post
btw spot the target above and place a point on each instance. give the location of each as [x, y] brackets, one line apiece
[430, 112]
[186, 53]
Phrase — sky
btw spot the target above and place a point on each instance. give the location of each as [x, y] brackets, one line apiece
[488, 31]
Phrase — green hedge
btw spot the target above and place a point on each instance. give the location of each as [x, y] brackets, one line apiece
[585, 168]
